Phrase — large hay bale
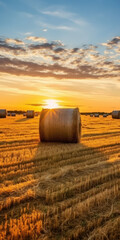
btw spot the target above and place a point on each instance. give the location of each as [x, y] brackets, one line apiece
[30, 114]
[116, 114]
[3, 113]
[60, 125]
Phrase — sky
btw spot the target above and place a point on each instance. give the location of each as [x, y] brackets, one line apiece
[68, 51]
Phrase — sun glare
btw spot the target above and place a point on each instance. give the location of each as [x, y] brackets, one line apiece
[51, 103]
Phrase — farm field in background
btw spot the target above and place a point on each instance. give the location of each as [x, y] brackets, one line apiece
[59, 191]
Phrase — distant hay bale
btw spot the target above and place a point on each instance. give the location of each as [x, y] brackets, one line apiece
[8, 114]
[60, 125]
[24, 114]
[96, 115]
[91, 115]
[105, 115]
[3, 113]
[13, 114]
[116, 114]
[30, 114]
[36, 114]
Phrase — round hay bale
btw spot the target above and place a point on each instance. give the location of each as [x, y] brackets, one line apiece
[3, 113]
[60, 125]
[105, 115]
[13, 114]
[30, 114]
[24, 114]
[96, 115]
[91, 115]
[116, 114]
[8, 114]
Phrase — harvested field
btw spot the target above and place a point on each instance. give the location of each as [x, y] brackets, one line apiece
[59, 191]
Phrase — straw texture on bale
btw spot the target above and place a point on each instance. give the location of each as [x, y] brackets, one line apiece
[60, 125]
[116, 114]
[30, 114]
[3, 113]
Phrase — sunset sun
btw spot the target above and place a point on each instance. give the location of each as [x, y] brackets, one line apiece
[51, 103]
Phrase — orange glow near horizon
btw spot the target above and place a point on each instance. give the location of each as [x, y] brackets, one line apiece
[51, 103]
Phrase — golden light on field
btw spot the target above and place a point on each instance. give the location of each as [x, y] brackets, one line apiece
[51, 103]
[44, 185]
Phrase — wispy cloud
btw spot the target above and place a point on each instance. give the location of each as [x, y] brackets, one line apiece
[26, 14]
[63, 14]
[59, 13]
[61, 27]
[28, 33]
[47, 25]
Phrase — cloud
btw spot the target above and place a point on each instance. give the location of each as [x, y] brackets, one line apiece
[14, 41]
[57, 27]
[36, 104]
[37, 39]
[54, 60]
[28, 33]
[26, 14]
[44, 105]
[112, 43]
[58, 13]
[43, 46]
[61, 13]
[5, 47]
[62, 27]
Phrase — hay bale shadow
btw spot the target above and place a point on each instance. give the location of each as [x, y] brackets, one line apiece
[22, 120]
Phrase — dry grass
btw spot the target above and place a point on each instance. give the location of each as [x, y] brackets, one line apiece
[59, 191]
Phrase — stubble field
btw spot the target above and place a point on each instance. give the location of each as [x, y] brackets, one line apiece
[59, 191]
